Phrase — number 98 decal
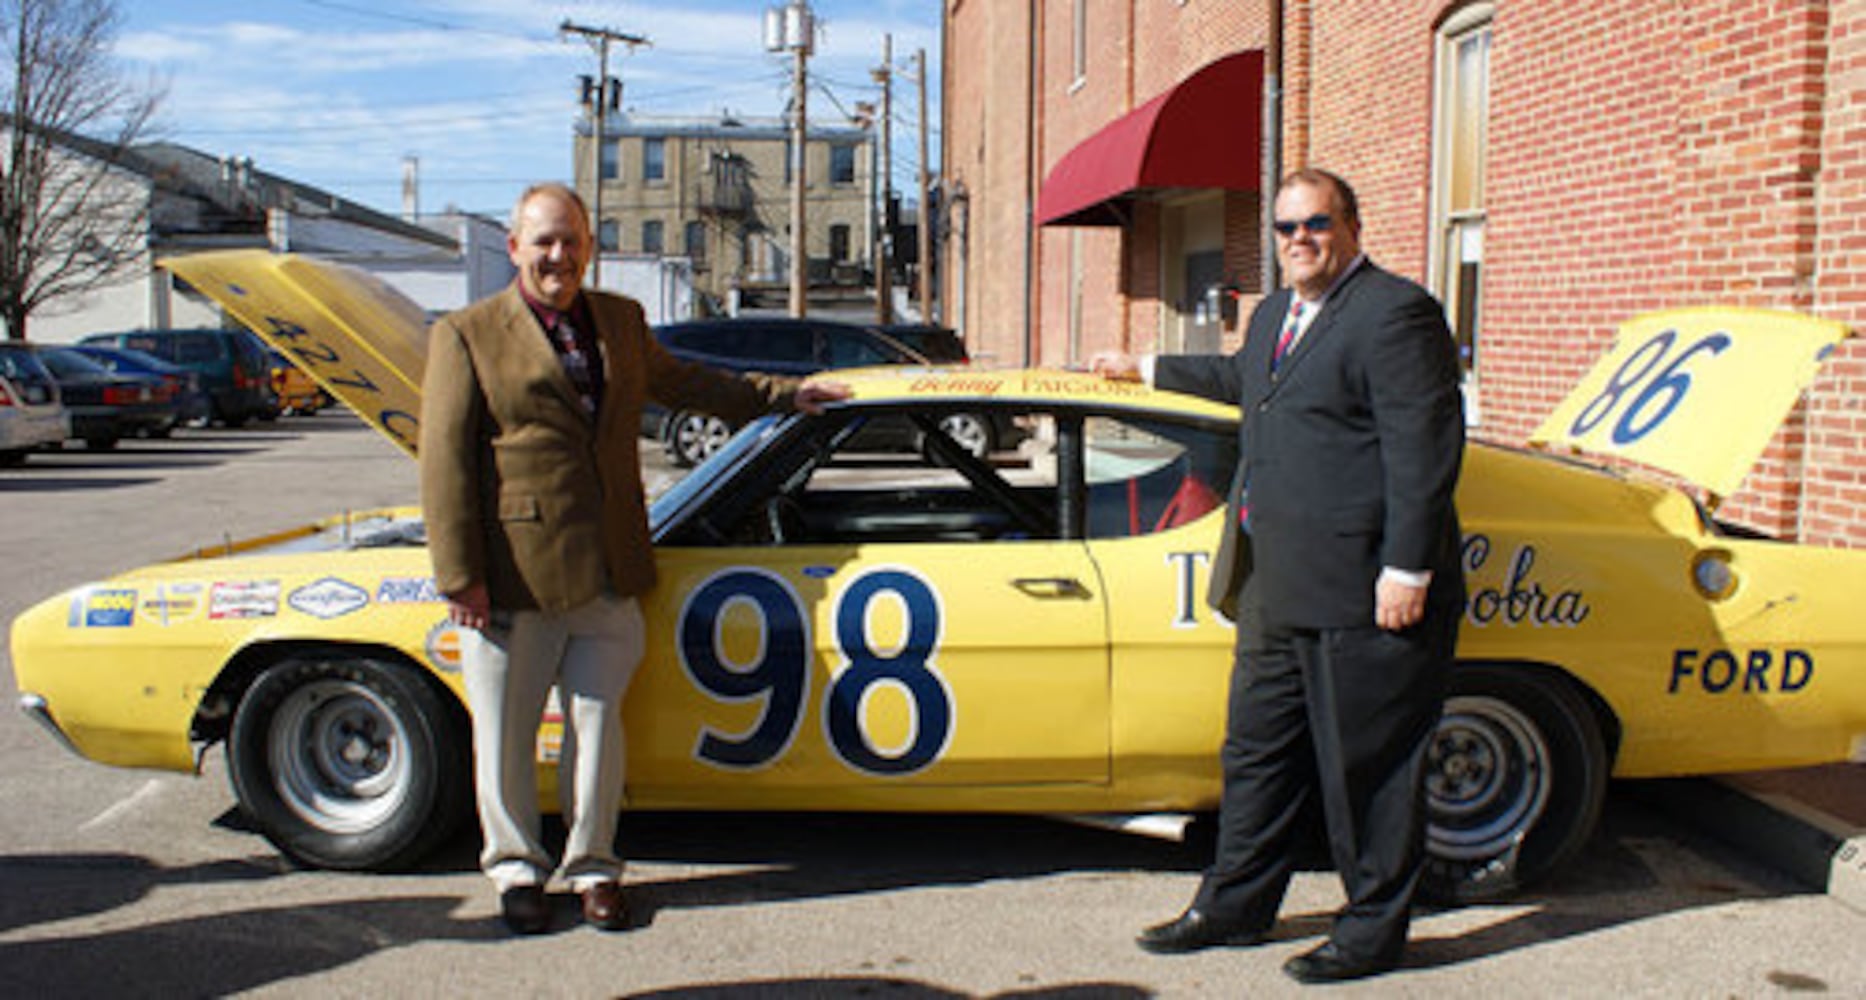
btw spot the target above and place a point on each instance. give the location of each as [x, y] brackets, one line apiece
[779, 672]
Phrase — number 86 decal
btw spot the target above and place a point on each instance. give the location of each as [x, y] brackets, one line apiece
[779, 673]
[1666, 390]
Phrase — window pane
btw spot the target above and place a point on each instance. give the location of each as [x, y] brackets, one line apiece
[1469, 105]
[651, 236]
[653, 159]
[842, 164]
[696, 240]
[1148, 476]
[611, 160]
[610, 236]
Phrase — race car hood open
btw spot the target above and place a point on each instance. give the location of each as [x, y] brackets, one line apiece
[360, 339]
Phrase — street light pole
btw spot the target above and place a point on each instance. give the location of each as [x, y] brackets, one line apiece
[599, 38]
[792, 29]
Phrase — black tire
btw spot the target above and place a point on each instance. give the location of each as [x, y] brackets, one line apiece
[691, 438]
[1514, 783]
[101, 443]
[349, 763]
[13, 459]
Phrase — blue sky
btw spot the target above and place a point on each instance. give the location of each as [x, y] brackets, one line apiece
[338, 93]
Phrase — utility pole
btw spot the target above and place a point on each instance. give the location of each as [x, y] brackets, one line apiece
[884, 234]
[924, 231]
[792, 29]
[607, 95]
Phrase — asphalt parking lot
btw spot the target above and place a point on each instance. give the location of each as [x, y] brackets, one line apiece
[138, 883]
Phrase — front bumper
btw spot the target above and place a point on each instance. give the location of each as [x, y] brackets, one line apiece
[38, 711]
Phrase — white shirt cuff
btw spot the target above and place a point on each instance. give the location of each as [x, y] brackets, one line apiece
[1409, 577]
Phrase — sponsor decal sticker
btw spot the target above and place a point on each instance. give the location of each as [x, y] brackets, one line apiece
[407, 590]
[172, 602]
[443, 647]
[114, 608]
[328, 598]
[243, 599]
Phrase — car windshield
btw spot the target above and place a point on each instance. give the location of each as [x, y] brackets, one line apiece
[690, 485]
[70, 364]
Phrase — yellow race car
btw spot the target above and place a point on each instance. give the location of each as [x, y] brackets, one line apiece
[839, 629]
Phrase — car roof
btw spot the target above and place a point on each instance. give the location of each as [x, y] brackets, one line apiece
[1020, 386]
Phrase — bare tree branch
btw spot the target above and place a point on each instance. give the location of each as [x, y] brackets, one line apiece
[72, 217]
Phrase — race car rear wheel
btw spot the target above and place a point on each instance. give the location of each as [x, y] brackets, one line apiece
[1515, 779]
[692, 438]
[348, 762]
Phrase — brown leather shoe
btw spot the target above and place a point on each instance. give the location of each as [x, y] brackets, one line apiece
[603, 906]
[524, 909]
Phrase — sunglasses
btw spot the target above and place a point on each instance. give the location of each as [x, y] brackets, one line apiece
[1314, 224]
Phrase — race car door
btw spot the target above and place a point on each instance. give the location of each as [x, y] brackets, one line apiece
[883, 624]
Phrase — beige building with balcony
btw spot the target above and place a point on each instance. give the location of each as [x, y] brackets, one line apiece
[718, 191]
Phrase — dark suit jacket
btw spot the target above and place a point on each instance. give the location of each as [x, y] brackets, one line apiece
[1350, 453]
[520, 487]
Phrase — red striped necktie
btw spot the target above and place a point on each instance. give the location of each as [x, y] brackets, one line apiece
[1290, 327]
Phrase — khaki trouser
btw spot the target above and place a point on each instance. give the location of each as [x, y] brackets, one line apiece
[590, 653]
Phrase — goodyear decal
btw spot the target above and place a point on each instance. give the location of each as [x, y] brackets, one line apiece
[170, 603]
[114, 608]
[407, 590]
[328, 598]
[236, 599]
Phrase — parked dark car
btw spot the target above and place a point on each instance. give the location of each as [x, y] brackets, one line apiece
[191, 401]
[938, 344]
[31, 414]
[233, 366]
[108, 406]
[789, 346]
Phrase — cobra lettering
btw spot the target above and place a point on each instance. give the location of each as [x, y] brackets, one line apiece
[1727, 671]
[1520, 599]
[778, 674]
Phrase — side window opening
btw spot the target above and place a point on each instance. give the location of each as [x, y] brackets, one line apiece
[1145, 476]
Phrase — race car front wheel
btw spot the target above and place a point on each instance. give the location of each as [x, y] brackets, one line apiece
[1515, 779]
[349, 762]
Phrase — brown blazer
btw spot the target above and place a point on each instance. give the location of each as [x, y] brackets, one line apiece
[524, 491]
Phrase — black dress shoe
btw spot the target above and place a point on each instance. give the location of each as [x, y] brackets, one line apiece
[524, 910]
[1192, 931]
[1329, 964]
[603, 906]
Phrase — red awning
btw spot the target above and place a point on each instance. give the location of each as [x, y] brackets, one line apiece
[1205, 132]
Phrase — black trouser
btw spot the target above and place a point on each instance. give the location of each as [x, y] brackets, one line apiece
[1346, 714]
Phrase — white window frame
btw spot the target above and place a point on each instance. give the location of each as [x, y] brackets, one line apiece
[1464, 228]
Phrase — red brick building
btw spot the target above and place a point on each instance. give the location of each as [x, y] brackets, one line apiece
[1549, 169]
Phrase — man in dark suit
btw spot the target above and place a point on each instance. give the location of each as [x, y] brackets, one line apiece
[1340, 566]
[538, 530]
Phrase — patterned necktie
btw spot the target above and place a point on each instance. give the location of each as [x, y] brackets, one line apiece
[1291, 327]
[576, 362]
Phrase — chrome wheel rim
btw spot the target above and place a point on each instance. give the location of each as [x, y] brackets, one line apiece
[699, 437]
[968, 432]
[1487, 779]
[338, 756]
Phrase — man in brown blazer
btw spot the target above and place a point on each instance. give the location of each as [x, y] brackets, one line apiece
[538, 530]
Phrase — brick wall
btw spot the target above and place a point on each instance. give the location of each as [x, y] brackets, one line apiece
[1643, 154]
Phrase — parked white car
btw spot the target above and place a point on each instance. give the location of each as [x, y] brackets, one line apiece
[31, 413]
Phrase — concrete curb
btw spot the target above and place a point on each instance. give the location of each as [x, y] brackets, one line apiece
[1806, 843]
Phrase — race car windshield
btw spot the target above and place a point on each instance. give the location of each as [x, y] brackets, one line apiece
[728, 455]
